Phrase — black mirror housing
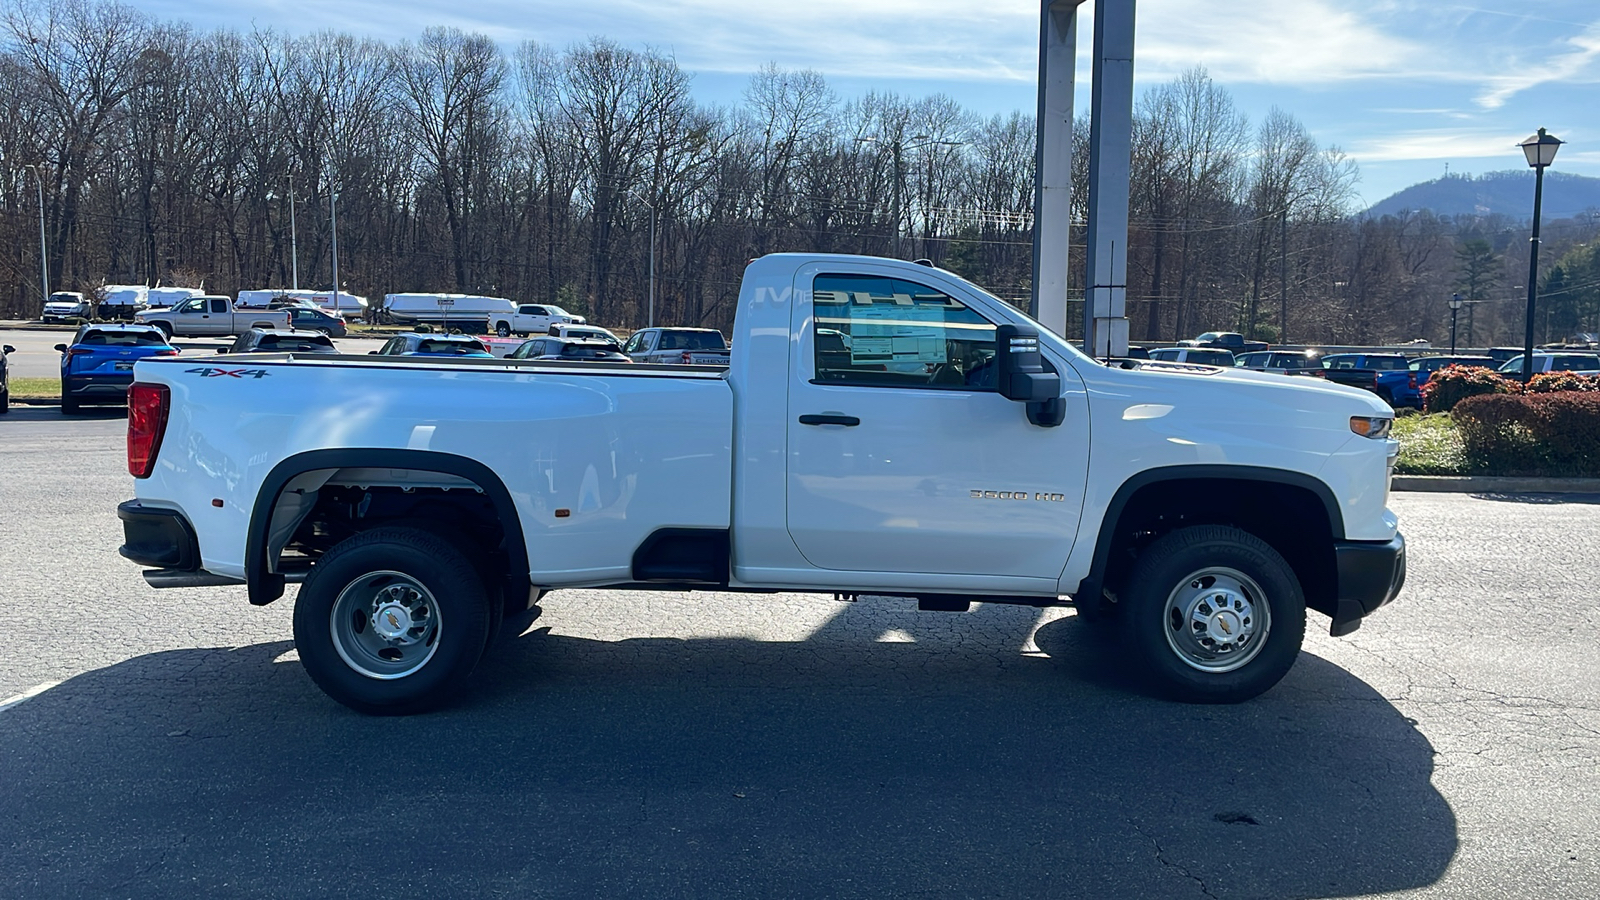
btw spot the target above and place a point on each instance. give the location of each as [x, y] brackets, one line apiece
[8, 349]
[61, 348]
[1020, 366]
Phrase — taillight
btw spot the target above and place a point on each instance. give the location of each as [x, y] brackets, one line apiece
[688, 358]
[147, 422]
[1413, 379]
[165, 353]
[78, 351]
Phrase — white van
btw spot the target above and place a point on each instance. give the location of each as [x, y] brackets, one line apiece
[345, 305]
[464, 311]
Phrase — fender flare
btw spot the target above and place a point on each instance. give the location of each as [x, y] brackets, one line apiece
[265, 586]
[1088, 594]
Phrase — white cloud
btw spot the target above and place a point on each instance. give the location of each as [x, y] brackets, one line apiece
[1574, 65]
[1439, 143]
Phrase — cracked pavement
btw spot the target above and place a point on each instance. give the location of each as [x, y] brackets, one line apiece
[677, 744]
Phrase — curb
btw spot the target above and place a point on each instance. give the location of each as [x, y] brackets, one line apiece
[1493, 484]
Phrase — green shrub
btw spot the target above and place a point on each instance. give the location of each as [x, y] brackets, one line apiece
[1556, 382]
[1555, 434]
[1453, 384]
[424, 328]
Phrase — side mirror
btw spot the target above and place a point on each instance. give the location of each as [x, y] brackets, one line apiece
[60, 348]
[8, 349]
[1021, 375]
[372, 353]
[221, 350]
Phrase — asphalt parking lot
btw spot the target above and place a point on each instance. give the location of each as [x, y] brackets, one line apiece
[676, 744]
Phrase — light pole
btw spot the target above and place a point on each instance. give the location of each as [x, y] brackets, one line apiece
[333, 216]
[44, 253]
[294, 247]
[650, 320]
[1455, 308]
[1540, 149]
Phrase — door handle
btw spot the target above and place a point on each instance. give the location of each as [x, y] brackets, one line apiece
[814, 419]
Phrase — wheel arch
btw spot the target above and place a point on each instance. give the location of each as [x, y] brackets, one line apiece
[264, 585]
[1136, 500]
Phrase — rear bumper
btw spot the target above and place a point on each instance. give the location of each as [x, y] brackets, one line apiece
[1371, 573]
[104, 387]
[160, 538]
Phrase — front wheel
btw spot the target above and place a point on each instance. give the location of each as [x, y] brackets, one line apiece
[392, 621]
[1213, 614]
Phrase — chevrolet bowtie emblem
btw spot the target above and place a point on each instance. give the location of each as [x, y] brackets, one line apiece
[393, 622]
[1223, 624]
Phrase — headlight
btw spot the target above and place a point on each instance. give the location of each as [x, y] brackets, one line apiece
[1375, 427]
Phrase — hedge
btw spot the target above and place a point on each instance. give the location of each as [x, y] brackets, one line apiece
[1453, 384]
[1535, 434]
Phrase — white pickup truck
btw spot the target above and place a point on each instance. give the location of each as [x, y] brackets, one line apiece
[208, 316]
[883, 428]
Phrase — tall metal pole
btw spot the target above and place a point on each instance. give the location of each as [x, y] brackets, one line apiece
[1052, 193]
[1283, 276]
[1455, 309]
[1533, 276]
[333, 213]
[294, 247]
[651, 320]
[44, 253]
[1105, 308]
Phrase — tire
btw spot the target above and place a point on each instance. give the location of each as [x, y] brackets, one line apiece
[435, 605]
[165, 329]
[1179, 634]
[1386, 396]
[69, 406]
[502, 329]
[5, 401]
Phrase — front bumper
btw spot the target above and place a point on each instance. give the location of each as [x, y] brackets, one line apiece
[1371, 573]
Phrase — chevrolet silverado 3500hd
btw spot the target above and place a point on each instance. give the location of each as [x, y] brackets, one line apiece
[882, 428]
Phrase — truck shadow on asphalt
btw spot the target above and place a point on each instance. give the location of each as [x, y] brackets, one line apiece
[945, 765]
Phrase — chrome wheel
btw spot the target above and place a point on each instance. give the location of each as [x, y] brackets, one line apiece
[385, 625]
[1217, 619]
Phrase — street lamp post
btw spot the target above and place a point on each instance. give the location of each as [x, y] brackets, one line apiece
[294, 247]
[333, 216]
[1540, 149]
[1455, 308]
[44, 253]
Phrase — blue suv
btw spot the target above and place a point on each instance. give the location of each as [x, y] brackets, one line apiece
[98, 366]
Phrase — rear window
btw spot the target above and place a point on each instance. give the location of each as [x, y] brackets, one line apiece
[294, 343]
[455, 347]
[578, 352]
[1386, 363]
[123, 339]
[692, 340]
[1211, 357]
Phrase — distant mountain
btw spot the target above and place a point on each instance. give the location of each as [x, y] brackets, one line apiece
[1508, 193]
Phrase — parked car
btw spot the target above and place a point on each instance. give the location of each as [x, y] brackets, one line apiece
[1388, 375]
[306, 318]
[591, 332]
[5, 380]
[1554, 362]
[1136, 352]
[533, 318]
[272, 340]
[1425, 366]
[1205, 515]
[1193, 355]
[97, 366]
[682, 346]
[65, 305]
[1232, 341]
[568, 348]
[411, 344]
[210, 316]
[1286, 362]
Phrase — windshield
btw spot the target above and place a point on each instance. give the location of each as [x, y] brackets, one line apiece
[454, 348]
[123, 339]
[692, 340]
[294, 343]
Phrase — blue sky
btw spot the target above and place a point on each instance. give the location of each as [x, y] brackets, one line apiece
[1406, 87]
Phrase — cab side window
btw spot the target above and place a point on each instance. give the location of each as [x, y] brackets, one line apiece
[889, 332]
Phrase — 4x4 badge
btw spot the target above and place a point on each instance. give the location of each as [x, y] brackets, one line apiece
[214, 372]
